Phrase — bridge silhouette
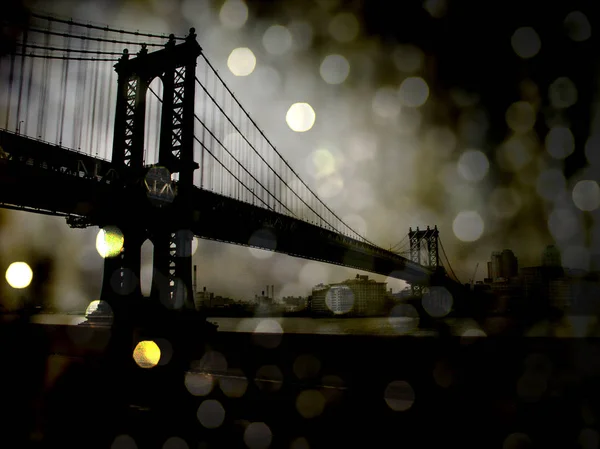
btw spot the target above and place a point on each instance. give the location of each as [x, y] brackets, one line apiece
[186, 159]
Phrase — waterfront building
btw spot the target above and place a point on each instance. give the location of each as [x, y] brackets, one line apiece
[360, 296]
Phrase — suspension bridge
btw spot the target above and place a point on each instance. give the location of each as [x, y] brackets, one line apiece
[138, 134]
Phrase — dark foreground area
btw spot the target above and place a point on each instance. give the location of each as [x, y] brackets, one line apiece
[299, 391]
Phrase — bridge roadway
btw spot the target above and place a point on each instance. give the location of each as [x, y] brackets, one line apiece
[44, 178]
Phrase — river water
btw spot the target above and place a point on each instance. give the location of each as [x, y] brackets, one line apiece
[390, 326]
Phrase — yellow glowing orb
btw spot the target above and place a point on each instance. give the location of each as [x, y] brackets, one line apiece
[109, 241]
[146, 354]
[19, 275]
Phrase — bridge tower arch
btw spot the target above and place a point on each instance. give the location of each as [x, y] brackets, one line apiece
[424, 250]
[142, 213]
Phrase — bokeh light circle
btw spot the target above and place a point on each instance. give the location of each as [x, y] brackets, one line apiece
[526, 43]
[123, 442]
[258, 436]
[520, 116]
[562, 93]
[277, 40]
[578, 26]
[468, 226]
[560, 142]
[109, 241]
[586, 195]
[300, 443]
[199, 383]
[241, 61]
[175, 443]
[310, 403]
[146, 354]
[300, 117]
[437, 302]
[339, 299]
[19, 275]
[473, 165]
[399, 396]
[334, 69]
[413, 92]
[211, 414]
[233, 14]
[344, 27]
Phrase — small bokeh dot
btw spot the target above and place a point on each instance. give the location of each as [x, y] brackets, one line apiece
[399, 396]
[211, 414]
[300, 443]
[258, 436]
[124, 442]
[526, 42]
[310, 403]
[175, 443]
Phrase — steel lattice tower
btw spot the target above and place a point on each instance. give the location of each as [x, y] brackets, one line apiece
[418, 240]
[152, 206]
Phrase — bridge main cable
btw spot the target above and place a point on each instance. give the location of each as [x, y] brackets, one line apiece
[69, 50]
[280, 156]
[89, 38]
[64, 58]
[448, 261]
[102, 28]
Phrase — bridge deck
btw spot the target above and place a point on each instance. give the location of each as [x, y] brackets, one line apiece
[39, 176]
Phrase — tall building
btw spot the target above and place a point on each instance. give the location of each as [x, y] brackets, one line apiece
[503, 265]
[509, 264]
[494, 266]
[551, 257]
[203, 299]
[360, 296]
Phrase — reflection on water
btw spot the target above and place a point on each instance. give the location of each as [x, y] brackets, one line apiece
[333, 326]
[58, 319]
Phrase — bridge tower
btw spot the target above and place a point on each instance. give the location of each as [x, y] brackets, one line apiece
[152, 205]
[424, 250]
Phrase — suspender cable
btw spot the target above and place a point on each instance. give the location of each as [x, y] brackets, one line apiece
[79, 104]
[258, 153]
[93, 106]
[11, 78]
[205, 116]
[277, 152]
[148, 121]
[221, 163]
[18, 129]
[107, 114]
[222, 123]
[28, 97]
[63, 99]
[45, 80]
[101, 99]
